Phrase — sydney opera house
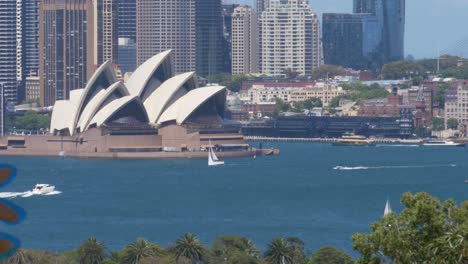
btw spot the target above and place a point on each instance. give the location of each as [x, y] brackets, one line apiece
[152, 113]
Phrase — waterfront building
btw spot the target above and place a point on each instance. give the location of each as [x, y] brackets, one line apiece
[290, 38]
[244, 41]
[343, 40]
[105, 31]
[193, 29]
[127, 55]
[8, 52]
[66, 48]
[421, 94]
[33, 88]
[456, 106]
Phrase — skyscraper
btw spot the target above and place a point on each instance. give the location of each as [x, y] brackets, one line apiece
[66, 47]
[244, 40]
[389, 16]
[167, 24]
[8, 51]
[228, 9]
[30, 29]
[261, 5]
[192, 29]
[127, 19]
[105, 39]
[342, 36]
[290, 32]
[211, 47]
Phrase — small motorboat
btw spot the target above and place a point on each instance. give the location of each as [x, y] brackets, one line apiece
[43, 189]
[433, 143]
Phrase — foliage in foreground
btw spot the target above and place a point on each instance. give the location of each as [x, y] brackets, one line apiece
[426, 231]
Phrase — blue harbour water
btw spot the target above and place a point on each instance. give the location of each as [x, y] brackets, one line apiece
[295, 194]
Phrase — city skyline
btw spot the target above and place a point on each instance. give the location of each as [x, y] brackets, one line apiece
[439, 16]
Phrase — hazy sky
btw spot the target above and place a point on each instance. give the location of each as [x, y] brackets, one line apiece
[430, 24]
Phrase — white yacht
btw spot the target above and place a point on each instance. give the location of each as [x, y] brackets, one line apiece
[43, 189]
[442, 143]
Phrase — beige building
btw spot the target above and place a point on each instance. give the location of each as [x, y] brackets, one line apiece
[325, 92]
[105, 14]
[456, 104]
[167, 24]
[244, 41]
[33, 88]
[290, 38]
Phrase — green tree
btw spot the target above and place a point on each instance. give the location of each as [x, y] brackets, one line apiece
[452, 123]
[439, 98]
[138, 250]
[419, 234]
[20, 257]
[91, 252]
[232, 82]
[297, 248]
[279, 251]
[438, 124]
[327, 71]
[188, 246]
[291, 73]
[330, 255]
[358, 91]
[32, 121]
[234, 249]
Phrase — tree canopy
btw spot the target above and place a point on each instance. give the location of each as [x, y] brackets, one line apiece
[358, 91]
[426, 231]
[327, 71]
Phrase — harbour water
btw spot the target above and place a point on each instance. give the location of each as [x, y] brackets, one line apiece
[300, 193]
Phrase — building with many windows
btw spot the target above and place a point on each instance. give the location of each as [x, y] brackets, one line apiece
[8, 51]
[290, 38]
[193, 29]
[105, 31]
[65, 48]
[244, 41]
[127, 19]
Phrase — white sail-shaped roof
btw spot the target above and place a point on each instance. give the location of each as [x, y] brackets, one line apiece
[104, 73]
[109, 110]
[75, 96]
[61, 120]
[96, 103]
[143, 74]
[159, 99]
[186, 105]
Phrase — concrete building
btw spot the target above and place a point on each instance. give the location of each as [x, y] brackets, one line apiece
[105, 31]
[228, 9]
[324, 92]
[167, 24]
[456, 103]
[193, 29]
[33, 88]
[290, 38]
[66, 48]
[8, 51]
[244, 41]
[261, 5]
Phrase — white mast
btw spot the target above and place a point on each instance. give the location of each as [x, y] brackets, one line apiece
[388, 208]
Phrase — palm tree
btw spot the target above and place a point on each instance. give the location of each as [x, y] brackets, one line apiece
[251, 250]
[20, 257]
[138, 250]
[279, 251]
[190, 247]
[91, 252]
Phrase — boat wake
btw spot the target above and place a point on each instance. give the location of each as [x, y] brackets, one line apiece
[398, 145]
[11, 195]
[344, 168]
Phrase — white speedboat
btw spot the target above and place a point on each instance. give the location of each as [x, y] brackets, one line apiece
[43, 189]
[434, 143]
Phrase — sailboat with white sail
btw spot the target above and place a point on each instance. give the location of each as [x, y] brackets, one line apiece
[212, 158]
[388, 208]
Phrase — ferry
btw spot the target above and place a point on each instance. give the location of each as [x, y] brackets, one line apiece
[350, 139]
[441, 143]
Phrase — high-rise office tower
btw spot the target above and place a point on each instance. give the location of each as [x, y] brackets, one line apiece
[167, 24]
[389, 17]
[8, 51]
[211, 47]
[192, 29]
[290, 32]
[127, 31]
[228, 9]
[261, 5]
[342, 36]
[244, 41]
[105, 39]
[30, 29]
[66, 47]
[127, 19]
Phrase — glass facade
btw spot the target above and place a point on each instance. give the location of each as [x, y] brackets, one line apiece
[127, 19]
